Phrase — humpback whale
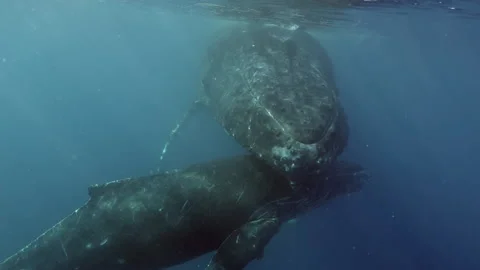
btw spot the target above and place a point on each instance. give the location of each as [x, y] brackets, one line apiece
[272, 89]
[232, 206]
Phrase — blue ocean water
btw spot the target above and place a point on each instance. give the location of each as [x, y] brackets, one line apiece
[89, 92]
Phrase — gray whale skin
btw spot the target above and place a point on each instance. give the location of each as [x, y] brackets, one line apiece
[234, 206]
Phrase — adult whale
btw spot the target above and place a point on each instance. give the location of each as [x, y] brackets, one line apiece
[271, 87]
[234, 206]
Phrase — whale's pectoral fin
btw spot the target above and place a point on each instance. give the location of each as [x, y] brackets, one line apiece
[245, 244]
[193, 108]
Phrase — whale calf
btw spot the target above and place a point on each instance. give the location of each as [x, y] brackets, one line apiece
[234, 206]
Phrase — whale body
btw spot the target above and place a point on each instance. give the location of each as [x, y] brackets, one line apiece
[234, 206]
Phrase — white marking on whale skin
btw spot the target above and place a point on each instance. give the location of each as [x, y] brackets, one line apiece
[240, 195]
[64, 250]
[104, 242]
[175, 221]
[284, 153]
[288, 26]
[108, 205]
[78, 216]
[184, 206]
[179, 220]
[274, 119]
[134, 208]
[212, 186]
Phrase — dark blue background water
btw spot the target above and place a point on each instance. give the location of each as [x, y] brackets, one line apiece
[90, 91]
